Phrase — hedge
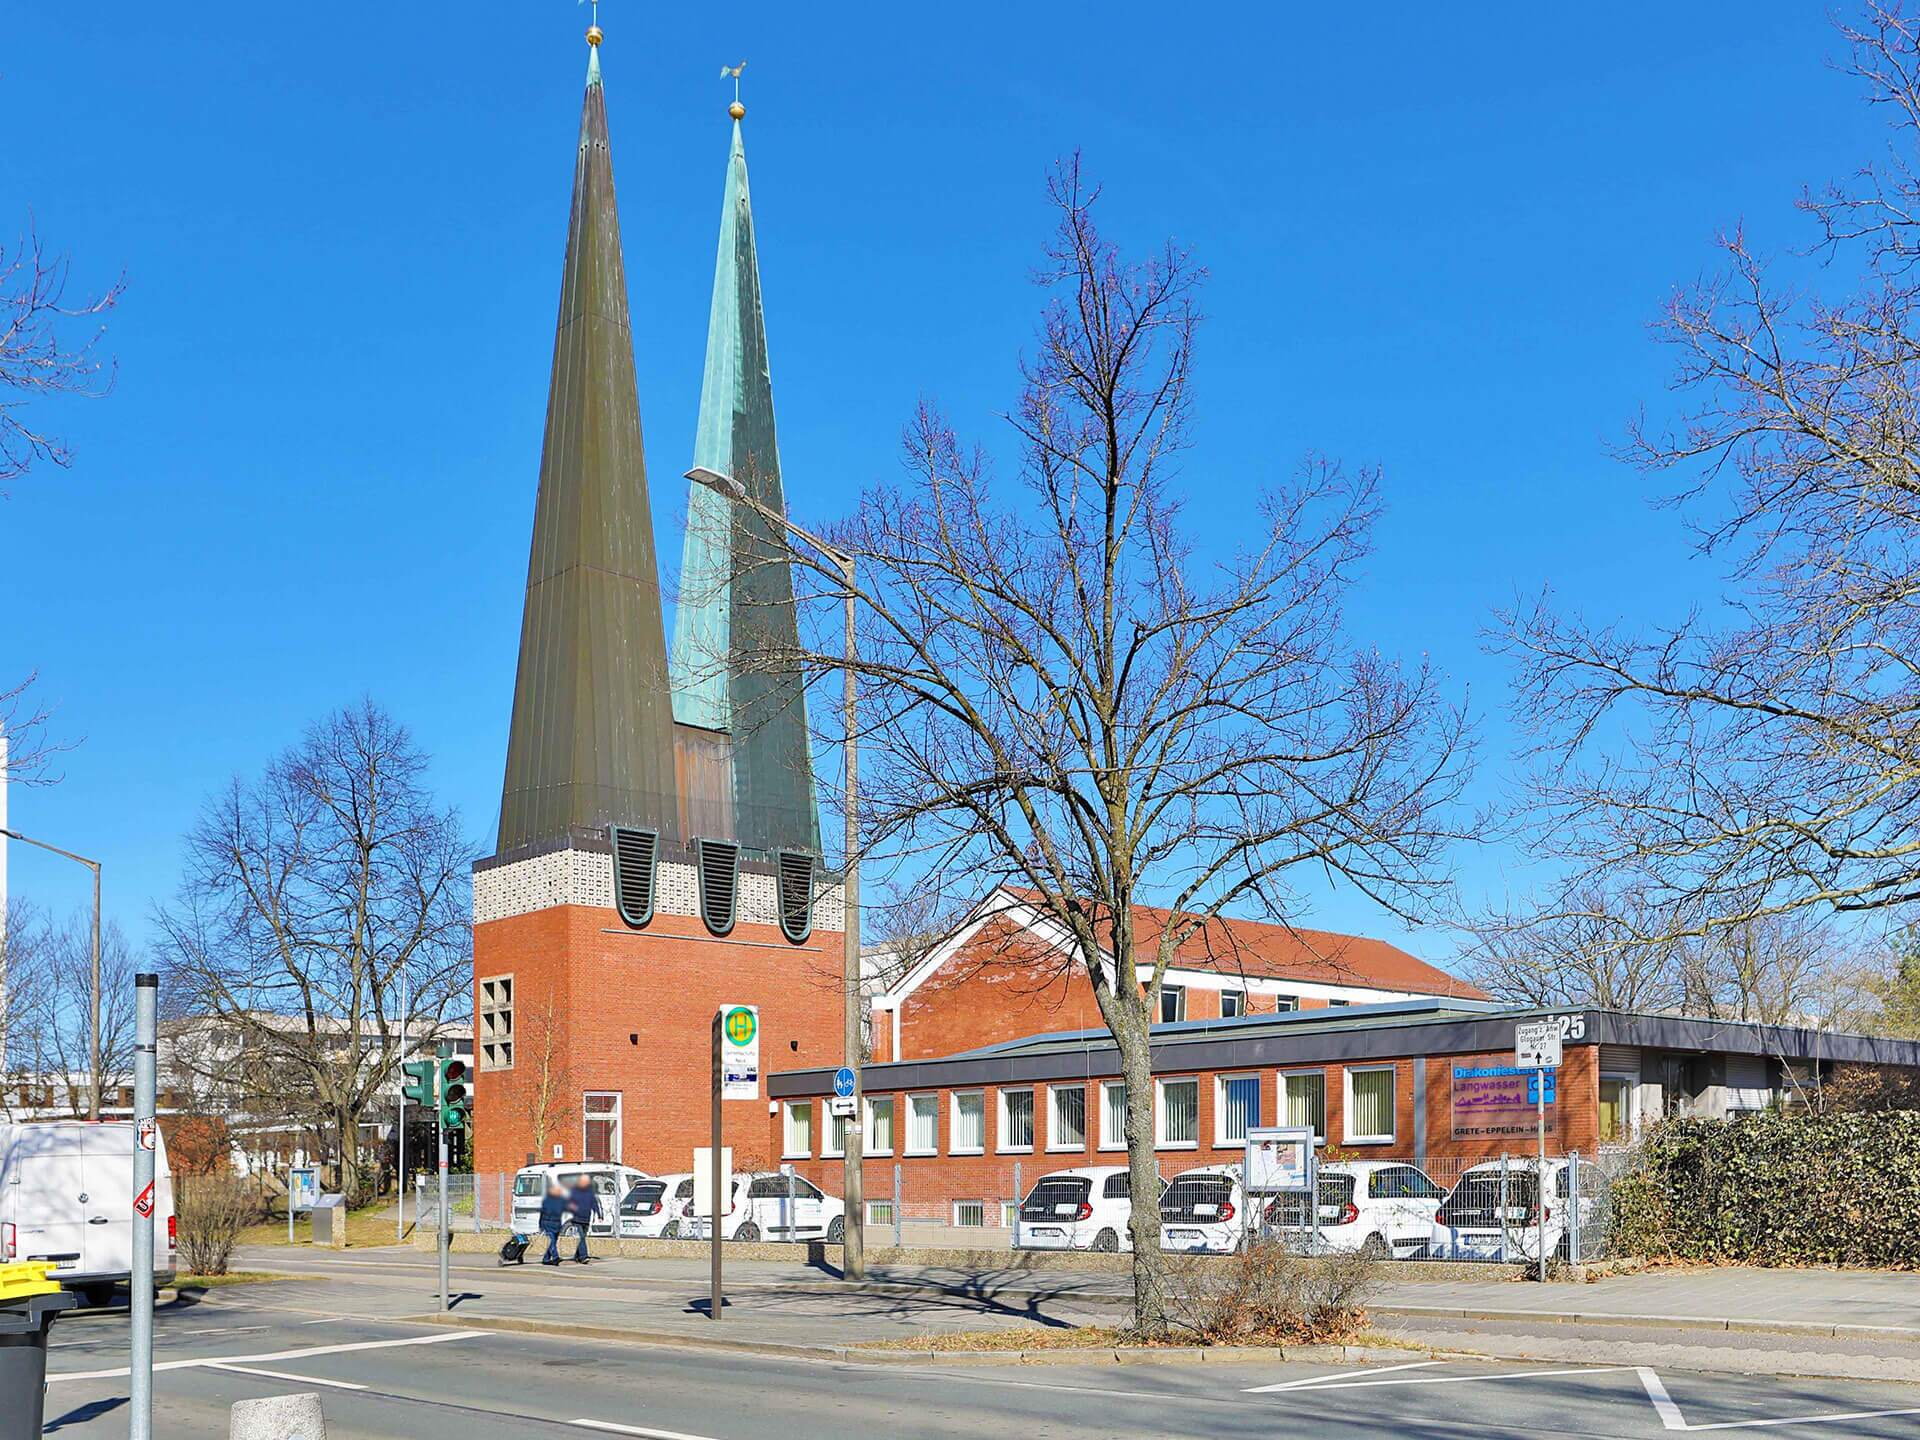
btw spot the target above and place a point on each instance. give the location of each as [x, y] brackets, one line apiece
[1776, 1188]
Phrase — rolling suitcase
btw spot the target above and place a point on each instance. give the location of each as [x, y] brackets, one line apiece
[514, 1252]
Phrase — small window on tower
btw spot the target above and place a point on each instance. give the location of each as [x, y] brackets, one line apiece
[796, 895]
[496, 1022]
[634, 853]
[719, 883]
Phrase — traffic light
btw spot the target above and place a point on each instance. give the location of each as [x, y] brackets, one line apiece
[454, 1101]
[419, 1087]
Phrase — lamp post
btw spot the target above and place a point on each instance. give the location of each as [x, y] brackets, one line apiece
[93, 1020]
[854, 1262]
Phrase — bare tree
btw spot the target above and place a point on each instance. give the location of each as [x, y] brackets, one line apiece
[1604, 949]
[50, 986]
[1770, 762]
[1061, 693]
[548, 1095]
[38, 354]
[309, 894]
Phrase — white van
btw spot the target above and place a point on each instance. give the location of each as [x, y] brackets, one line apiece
[610, 1182]
[66, 1197]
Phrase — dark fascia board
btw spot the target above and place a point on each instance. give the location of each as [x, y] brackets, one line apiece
[1100, 1059]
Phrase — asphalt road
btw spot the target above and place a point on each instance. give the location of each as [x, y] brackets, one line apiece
[383, 1377]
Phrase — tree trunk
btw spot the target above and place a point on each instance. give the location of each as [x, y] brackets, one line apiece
[1134, 1037]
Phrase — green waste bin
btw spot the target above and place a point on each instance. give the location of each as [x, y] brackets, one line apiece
[25, 1319]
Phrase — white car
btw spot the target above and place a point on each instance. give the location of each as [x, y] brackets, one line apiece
[651, 1209]
[1477, 1221]
[610, 1182]
[66, 1199]
[1379, 1207]
[771, 1206]
[1204, 1211]
[1087, 1209]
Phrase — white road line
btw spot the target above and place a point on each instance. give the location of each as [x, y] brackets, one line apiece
[1332, 1384]
[283, 1375]
[1671, 1417]
[1332, 1377]
[209, 1360]
[636, 1430]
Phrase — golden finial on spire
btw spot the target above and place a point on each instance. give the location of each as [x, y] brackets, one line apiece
[594, 35]
[736, 109]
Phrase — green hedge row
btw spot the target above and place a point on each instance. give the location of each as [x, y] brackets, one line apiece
[1777, 1188]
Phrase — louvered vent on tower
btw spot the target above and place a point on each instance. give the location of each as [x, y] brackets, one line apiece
[796, 894]
[719, 883]
[634, 854]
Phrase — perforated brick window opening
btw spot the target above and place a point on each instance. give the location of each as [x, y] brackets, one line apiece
[496, 1023]
[635, 853]
[719, 884]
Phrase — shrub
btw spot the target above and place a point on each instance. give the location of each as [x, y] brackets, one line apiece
[1777, 1188]
[211, 1212]
[1266, 1295]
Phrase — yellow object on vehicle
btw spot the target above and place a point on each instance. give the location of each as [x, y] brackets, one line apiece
[17, 1282]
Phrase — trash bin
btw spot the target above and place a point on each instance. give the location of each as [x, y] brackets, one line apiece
[28, 1303]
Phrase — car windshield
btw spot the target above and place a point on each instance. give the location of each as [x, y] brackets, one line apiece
[524, 1185]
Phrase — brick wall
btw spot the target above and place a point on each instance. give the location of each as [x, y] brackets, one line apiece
[633, 1011]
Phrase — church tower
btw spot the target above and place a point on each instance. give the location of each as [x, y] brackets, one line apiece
[658, 852]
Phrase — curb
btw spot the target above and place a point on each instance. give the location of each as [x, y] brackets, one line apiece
[1710, 1323]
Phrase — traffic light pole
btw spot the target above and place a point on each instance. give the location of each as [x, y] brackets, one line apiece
[444, 1237]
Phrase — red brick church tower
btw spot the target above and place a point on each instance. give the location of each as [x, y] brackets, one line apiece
[659, 850]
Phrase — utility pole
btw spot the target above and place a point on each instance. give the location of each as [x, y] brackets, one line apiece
[853, 1257]
[716, 1305]
[93, 1009]
[400, 1159]
[444, 1239]
[146, 991]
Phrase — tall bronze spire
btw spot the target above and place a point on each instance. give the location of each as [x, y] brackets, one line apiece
[592, 736]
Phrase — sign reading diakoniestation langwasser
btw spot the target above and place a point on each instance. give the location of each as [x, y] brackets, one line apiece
[1490, 1101]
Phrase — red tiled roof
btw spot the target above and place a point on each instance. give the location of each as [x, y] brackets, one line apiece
[1288, 952]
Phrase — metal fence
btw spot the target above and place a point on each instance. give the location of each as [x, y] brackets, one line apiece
[1437, 1208]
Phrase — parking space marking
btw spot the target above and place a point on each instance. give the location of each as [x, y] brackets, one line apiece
[283, 1375]
[207, 1361]
[1331, 1383]
[1670, 1416]
[1331, 1377]
[642, 1430]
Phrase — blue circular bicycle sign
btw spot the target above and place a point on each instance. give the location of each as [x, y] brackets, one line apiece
[843, 1082]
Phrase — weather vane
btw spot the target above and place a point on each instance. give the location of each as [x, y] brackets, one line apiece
[593, 27]
[733, 72]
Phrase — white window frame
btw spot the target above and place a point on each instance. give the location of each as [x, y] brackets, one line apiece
[829, 1150]
[1346, 1103]
[1179, 992]
[906, 1141]
[788, 1110]
[1112, 1142]
[960, 1224]
[1240, 996]
[1222, 1140]
[1280, 1094]
[1001, 1147]
[1160, 1142]
[867, 1145]
[954, 1098]
[1053, 1111]
[615, 1151]
[1285, 1004]
[878, 1205]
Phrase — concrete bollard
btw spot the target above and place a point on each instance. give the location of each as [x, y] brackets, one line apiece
[279, 1417]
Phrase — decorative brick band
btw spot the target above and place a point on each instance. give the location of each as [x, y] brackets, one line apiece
[585, 877]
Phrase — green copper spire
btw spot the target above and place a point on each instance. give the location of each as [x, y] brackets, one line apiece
[736, 600]
[592, 735]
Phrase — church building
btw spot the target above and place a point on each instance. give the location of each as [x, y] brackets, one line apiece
[659, 845]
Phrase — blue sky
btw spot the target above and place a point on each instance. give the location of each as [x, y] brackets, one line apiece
[1435, 239]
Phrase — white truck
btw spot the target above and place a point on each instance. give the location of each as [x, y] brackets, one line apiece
[66, 1198]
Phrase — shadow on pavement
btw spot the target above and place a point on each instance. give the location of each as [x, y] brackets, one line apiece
[81, 1414]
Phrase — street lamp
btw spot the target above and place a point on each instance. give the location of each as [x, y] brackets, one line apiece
[854, 1262]
[93, 1033]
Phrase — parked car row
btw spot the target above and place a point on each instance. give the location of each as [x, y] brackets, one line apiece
[1385, 1208]
[634, 1205]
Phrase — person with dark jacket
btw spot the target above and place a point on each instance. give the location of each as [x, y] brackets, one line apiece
[583, 1208]
[553, 1219]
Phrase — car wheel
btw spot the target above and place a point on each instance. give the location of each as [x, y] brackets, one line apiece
[748, 1233]
[837, 1231]
[1376, 1247]
[671, 1231]
[1106, 1242]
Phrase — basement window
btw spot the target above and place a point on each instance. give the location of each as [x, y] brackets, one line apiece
[634, 854]
[796, 895]
[719, 883]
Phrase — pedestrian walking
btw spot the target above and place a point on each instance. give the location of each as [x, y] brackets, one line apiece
[553, 1219]
[583, 1208]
